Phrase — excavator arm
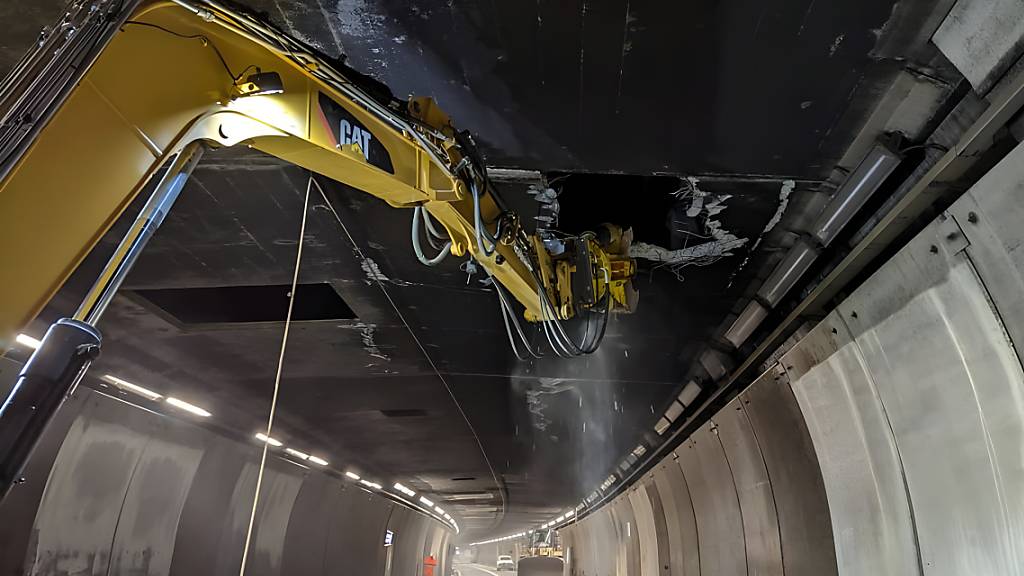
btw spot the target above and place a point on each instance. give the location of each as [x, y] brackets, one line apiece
[174, 75]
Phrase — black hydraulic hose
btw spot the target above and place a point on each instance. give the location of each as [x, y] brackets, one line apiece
[507, 309]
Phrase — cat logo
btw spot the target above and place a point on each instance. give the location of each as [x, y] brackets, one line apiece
[344, 128]
[350, 134]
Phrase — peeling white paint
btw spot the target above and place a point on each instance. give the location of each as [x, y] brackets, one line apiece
[835, 45]
[715, 248]
[787, 188]
[784, 193]
[374, 274]
[723, 241]
[372, 271]
[358, 18]
[371, 348]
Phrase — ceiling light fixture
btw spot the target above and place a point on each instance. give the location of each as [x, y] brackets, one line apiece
[854, 192]
[369, 484]
[187, 407]
[297, 454]
[318, 460]
[272, 441]
[423, 499]
[352, 475]
[125, 385]
[404, 490]
[26, 340]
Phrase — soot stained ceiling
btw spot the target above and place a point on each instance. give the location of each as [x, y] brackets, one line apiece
[416, 384]
[744, 87]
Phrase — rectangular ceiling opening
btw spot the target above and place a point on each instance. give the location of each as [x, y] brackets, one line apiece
[243, 304]
[404, 412]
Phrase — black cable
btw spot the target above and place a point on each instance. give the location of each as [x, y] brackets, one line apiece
[932, 145]
[201, 37]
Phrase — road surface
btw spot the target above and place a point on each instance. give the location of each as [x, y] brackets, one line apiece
[480, 570]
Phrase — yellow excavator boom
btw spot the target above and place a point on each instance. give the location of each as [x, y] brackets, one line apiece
[176, 73]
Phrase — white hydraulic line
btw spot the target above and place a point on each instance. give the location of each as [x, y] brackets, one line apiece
[277, 378]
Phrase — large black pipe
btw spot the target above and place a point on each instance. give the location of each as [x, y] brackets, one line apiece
[49, 377]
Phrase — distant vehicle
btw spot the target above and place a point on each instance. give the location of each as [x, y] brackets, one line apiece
[541, 566]
[505, 563]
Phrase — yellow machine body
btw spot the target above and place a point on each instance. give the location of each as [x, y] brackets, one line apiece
[160, 84]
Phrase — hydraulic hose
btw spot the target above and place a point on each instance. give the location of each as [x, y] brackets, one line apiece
[445, 250]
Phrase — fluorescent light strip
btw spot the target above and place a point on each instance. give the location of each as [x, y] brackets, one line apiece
[318, 460]
[269, 440]
[404, 489]
[187, 407]
[352, 475]
[438, 510]
[297, 454]
[426, 502]
[369, 484]
[125, 385]
[28, 341]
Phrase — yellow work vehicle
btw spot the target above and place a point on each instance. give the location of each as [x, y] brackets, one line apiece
[170, 78]
[121, 88]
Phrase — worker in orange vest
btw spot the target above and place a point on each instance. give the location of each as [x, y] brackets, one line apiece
[428, 565]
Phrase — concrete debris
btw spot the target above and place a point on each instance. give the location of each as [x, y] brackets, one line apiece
[716, 248]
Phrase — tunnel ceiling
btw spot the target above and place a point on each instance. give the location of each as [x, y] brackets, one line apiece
[409, 377]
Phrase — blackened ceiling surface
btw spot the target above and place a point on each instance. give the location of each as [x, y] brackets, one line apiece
[744, 86]
[420, 386]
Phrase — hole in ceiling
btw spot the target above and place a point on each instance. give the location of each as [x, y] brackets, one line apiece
[588, 200]
[240, 304]
[462, 478]
[404, 413]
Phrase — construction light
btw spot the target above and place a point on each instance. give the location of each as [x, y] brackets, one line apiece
[876, 166]
[788, 272]
[267, 439]
[261, 84]
[26, 340]
[188, 407]
[689, 393]
[746, 323]
[125, 385]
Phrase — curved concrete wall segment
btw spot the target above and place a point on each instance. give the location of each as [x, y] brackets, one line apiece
[887, 441]
[129, 492]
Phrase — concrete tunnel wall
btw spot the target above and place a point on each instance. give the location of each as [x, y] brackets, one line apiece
[114, 489]
[887, 441]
